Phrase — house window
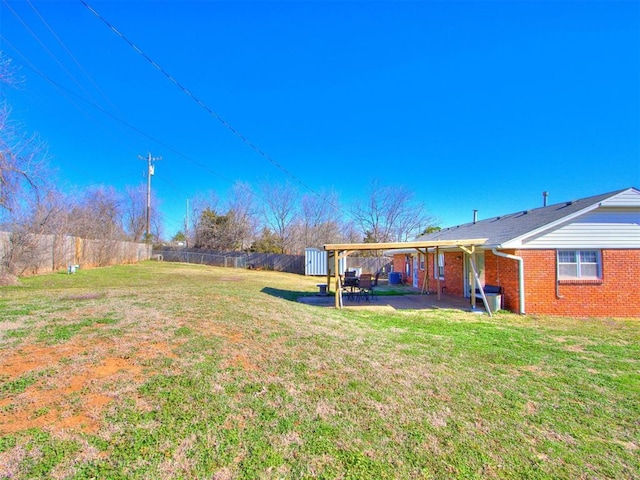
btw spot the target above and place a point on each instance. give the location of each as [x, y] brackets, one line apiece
[421, 257]
[439, 266]
[584, 264]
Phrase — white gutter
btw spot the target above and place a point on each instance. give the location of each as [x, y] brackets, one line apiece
[520, 261]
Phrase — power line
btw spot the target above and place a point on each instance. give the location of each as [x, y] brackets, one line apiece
[59, 87]
[62, 44]
[27, 63]
[204, 106]
[63, 90]
[46, 49]
[201, 103]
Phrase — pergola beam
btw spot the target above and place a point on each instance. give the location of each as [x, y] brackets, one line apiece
[404, 245]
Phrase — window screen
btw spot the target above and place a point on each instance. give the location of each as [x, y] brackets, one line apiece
[578, 264]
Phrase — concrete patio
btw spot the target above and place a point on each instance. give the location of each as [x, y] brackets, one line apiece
[405, 298]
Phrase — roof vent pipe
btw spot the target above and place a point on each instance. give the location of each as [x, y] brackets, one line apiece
[475, 216]
[545, 197]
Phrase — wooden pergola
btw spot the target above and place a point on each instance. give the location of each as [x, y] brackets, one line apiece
[342, 250]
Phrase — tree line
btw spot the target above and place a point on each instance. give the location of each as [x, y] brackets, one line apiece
[271, 218]
[278, 218]
[32, 204]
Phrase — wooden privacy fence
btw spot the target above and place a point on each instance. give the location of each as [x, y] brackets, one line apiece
[258, 261]
[372, 265]
[30, 254]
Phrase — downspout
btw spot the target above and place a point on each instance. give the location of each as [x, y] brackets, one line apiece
[520, 261]
[558, 296]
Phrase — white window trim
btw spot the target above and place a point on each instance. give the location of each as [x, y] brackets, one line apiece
[578, 264]
[438, 262]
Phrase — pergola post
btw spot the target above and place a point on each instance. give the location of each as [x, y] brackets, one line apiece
[425, 280]
[474, 283]
[426, 269]
[476, 280]
[437, 259]
[329, 269]
[336, 273]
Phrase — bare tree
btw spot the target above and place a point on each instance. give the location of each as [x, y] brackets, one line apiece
[280, 212]
[98, 215]
[23, 183]
[157, 222]
[242, 210]
[390, 214]
[23, 168]
[349, 233]
[135, 211]
[320, 219]
[33, 223]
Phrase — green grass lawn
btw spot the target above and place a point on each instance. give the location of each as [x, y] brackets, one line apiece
[163, 370]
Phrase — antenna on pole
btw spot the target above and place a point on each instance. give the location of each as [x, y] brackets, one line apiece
[150, 172]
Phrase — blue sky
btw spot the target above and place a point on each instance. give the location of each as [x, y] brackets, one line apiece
[471, 105]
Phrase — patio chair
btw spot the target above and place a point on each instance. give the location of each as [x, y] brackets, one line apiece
[365, 287]
[350, 285]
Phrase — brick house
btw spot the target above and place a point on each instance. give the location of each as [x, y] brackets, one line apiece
[576, 258]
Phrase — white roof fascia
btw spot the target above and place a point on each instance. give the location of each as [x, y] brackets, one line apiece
[519, 242]
[628, 193]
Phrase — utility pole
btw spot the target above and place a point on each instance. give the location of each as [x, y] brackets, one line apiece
[150, 172]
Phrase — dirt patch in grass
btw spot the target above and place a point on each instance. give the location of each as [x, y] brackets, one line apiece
[34, 357]
[71, 392]
[241, 360]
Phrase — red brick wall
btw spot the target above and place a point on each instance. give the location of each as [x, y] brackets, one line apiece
[504, 273]
[615, 295]
[399, 266]
[453, 272]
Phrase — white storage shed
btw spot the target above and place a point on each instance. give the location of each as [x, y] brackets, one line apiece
[315, 262]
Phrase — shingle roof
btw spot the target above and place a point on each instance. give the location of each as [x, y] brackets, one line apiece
[499, 230]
